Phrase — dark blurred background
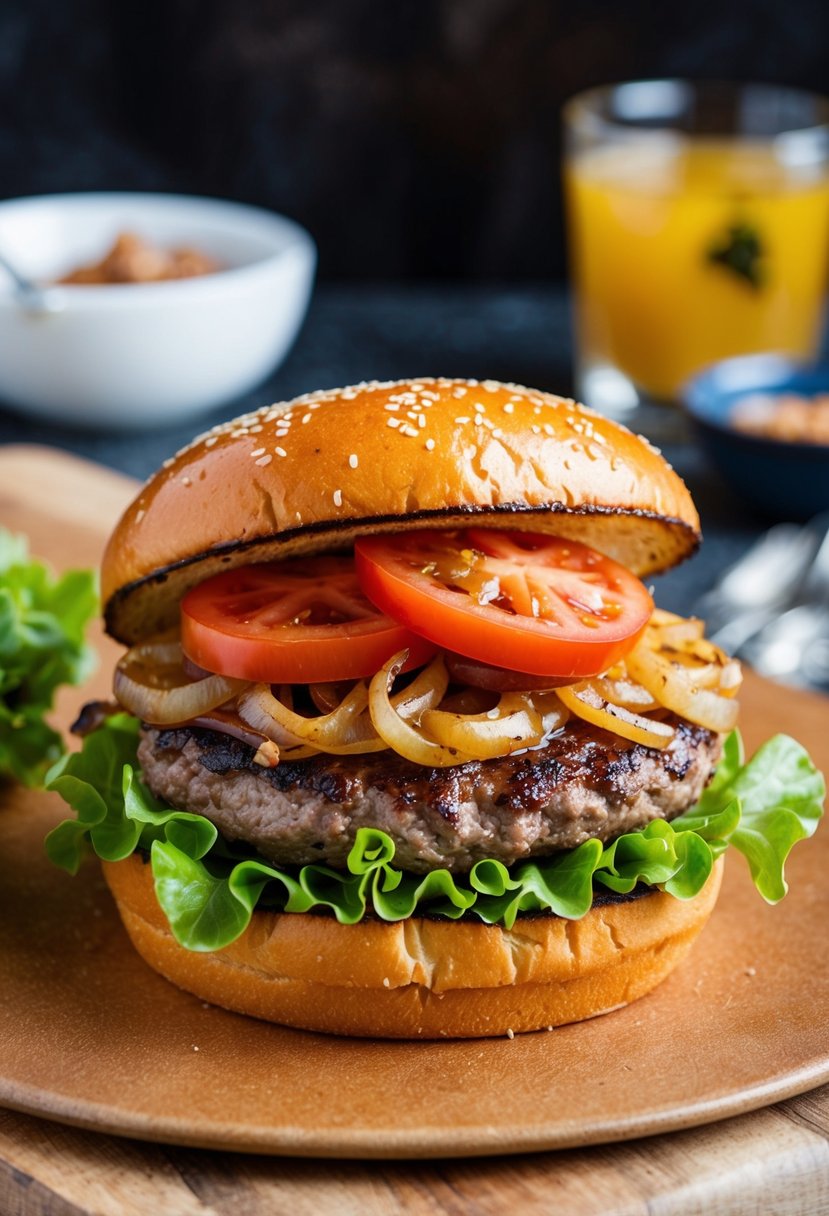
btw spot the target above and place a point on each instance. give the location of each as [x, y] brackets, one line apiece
[414, 138]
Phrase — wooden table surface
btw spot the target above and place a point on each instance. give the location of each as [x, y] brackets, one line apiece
[769, 1161]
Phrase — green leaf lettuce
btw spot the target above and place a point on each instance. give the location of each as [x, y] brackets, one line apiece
[208, 889]
[42, 623]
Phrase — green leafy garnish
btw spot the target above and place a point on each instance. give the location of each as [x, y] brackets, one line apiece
[741, 252]
[42, 623]
[209, 889]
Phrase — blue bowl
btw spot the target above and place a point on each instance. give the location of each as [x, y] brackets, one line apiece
[782, 480]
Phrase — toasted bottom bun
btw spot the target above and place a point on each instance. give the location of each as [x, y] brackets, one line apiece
[422, 978]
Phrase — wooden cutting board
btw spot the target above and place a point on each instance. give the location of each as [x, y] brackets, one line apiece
[771, 1160]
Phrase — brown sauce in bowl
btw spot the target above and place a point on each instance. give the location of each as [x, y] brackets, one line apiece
[133, 260]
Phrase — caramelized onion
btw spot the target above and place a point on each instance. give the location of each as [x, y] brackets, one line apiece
[513, 724]
[150, 681]
[686, 673]
[327, 697]
[489, 713]
[407, 740]
[586, 702]
[554, 713]
[425, 692]
[675, 686]
[625, 692]
[226, 721]
[344, 731]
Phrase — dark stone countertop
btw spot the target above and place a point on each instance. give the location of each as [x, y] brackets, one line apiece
[363, 333]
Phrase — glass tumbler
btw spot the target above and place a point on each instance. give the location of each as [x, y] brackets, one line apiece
[698, 228]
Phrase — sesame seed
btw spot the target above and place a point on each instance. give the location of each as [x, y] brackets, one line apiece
[280, 452]
[463, 418]
[548, 430]
[353, 461]
[338, 498]
[392, 422]
[210, 440]
[408, 430]
[255, 430]
[393, 407]
[139, 515]
[497, 432]
[536, 429]
[186, 481]
[421, 420]
[429, 445]
[510, 1033]
[263, 460]
[259, 451]
[281, 432]
[509, 408]
[459, 392]
[306, 418]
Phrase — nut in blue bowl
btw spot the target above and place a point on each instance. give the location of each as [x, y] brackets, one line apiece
[764, 422]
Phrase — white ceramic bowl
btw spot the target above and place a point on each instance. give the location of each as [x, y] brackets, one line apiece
[140, 355]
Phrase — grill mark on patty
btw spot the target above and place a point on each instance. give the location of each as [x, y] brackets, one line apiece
[583, 783]
[527, 780]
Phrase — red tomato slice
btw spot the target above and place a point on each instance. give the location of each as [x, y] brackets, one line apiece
[303, 621]
[537, 604]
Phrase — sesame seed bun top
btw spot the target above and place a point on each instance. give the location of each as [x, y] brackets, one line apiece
[310, 475]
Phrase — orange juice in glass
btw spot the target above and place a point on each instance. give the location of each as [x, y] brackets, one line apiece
[698, 224]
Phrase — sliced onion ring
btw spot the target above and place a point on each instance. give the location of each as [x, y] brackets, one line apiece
[425, 692]
[513, 724]
[586, 702]
[342, 732]
[625, 692]
[151, 683]
[676, 688]
[326, 697]
[405, 739]
[554, 713]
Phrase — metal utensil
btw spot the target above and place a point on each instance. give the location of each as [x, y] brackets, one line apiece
[795, 645]
[758, 586]
[31, 296]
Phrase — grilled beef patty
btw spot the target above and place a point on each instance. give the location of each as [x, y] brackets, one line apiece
[584, 782]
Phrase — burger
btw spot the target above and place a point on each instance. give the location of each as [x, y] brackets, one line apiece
[399, 744]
